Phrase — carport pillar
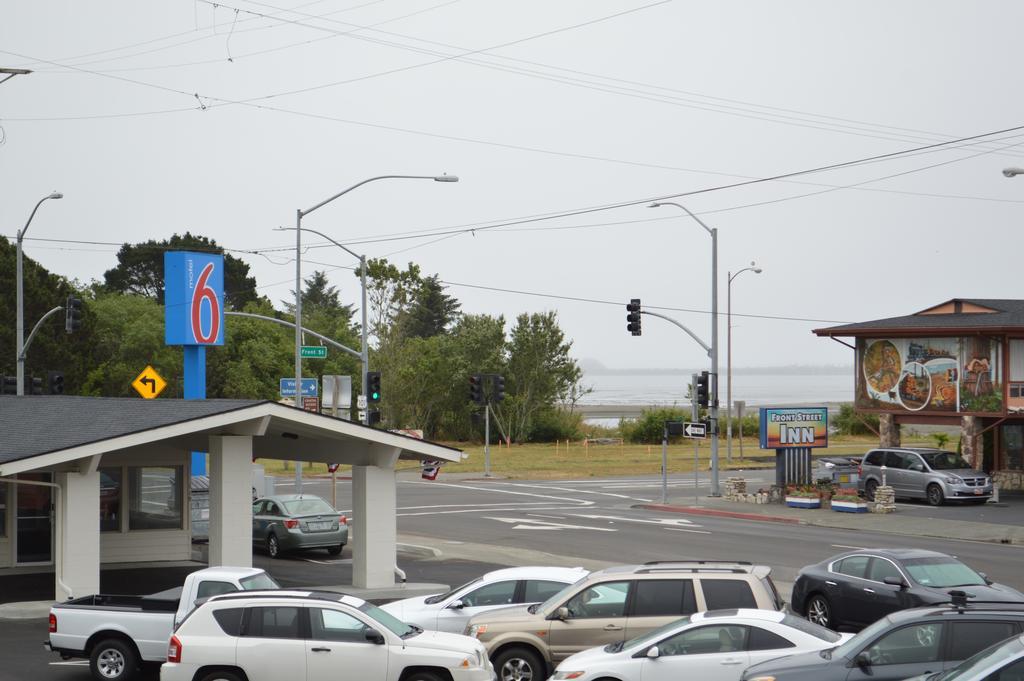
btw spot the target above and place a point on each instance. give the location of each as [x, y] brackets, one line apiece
[77, 550]
[374, 521]
[231, 500]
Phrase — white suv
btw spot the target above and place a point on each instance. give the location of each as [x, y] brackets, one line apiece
[309, 636]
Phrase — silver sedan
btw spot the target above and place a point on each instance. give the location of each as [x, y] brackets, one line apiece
[291, 522]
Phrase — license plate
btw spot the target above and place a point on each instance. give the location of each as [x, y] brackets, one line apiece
[977, 492]
[319, 526]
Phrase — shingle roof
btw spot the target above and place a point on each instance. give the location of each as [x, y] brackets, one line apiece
[1009, 314]
[37, 424]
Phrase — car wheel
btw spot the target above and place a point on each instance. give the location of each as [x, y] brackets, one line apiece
[335, 550]
[221, 676]
[519, 664]
[273, 548]
[870, 487]
[819, 611]
[935, 495]
[424, 676]
[113, 659]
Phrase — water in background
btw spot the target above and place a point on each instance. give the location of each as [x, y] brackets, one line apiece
[755, 389]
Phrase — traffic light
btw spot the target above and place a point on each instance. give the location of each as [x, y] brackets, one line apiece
[33, 385]
[498, 389]
[373, 386]
[55, 379]
[8, 385]
[373, 417]
[73, 314]
[702, 388]
[633, 318]
[476, 389]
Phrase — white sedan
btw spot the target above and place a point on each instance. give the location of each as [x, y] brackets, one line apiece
[711, 646]
[501, 588]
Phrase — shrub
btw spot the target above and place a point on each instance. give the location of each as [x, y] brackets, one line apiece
[556, 424]
[649, 427]
[849, 422]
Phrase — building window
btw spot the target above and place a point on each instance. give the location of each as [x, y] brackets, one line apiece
[1017, 390]
[110, 499]
[154, 497]
[1013, 448]
[3, 509]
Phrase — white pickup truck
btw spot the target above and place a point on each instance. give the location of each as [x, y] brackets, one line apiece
[118, 633]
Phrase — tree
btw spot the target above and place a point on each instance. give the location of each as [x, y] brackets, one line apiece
[431, 311]
[140, 269]
[389, 292]
[540, 372]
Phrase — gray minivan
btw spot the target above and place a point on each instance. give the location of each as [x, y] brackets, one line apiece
[924, 473]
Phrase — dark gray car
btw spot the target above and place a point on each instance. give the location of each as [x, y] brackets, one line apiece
[904, 644]
[290, 522]
[923, 473]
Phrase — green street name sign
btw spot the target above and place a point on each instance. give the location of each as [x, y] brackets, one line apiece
[314, 351]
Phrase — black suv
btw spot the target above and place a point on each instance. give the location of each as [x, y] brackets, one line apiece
[902, 645]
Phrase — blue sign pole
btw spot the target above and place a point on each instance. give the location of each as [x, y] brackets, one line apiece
[193, 318]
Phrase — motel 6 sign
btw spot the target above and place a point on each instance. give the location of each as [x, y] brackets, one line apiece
[193, 298]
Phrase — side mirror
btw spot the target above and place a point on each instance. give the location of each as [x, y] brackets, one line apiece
[457, 605]
[892, 580]
[987, 580]
[562, 613]
[653, 652]
[374, 636]
[863, 660]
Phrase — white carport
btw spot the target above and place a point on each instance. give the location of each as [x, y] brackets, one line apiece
[64, 443]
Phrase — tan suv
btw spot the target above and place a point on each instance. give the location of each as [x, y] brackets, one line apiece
[615, 604]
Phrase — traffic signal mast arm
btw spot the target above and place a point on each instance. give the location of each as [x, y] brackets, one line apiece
[692, 334]
[329, 341]
[28, 341]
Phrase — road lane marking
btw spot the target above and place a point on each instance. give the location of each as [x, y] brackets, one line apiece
[679, 529]
[493, 489]
[656, 521]
[541, 515]
[844, 546]
[521, 524]
[509, 509]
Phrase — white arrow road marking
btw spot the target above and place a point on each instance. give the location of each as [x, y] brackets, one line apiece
[667, 523]
[520, 524]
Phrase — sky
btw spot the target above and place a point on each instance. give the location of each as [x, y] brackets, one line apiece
[224, 119]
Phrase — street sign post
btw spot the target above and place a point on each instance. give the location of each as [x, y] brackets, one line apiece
[149, 383]
[361, 403]
[309, 387]
[337, 393]
[695, 431]
[313, 351]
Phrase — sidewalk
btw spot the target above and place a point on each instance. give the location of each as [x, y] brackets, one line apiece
[904, 523]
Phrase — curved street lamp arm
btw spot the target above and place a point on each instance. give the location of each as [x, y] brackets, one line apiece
[28, 341]
[688, 212]
[28, 222]
[704, 345]
[736, 274]
[304, 213]
[341, 246]
[304, 330]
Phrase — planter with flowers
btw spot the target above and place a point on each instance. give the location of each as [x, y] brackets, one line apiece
[847, 501]
[803, 497]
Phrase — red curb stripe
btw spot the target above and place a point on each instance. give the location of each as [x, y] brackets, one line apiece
[690, 510]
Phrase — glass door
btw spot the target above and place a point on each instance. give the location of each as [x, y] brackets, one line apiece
[33, 520]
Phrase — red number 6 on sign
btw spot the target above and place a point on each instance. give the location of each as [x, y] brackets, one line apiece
[204, 292]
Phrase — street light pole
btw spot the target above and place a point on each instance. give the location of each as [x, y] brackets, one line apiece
[20, 303]
[728, 356]
[713, 405]
[299, 214]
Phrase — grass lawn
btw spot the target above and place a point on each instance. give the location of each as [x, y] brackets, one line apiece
[550, 461]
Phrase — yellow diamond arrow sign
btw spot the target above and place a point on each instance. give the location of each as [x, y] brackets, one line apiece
[149, 383]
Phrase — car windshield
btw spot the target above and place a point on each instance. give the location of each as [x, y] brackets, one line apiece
[655, 634]
[555, 598]
[308, 506]
[810, 628]
[445, 596]
[392, 623]
[941, 572]
[996, 654]
[258, 582]
[944, 461]
[852, 645]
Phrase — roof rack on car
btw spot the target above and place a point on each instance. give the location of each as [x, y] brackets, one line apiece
[699, 562]
[284, 593]
[683, 568]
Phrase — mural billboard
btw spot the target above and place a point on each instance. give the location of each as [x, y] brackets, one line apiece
[794, 427]
[193, 298]
[930, 374]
